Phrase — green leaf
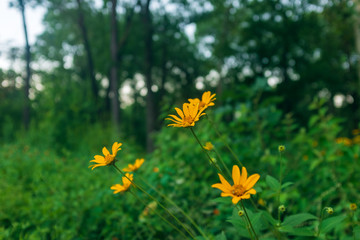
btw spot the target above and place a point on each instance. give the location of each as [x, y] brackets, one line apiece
[220, 236]
[224, 200]
[329, 223]
[313, 120]
[304, 231]
[286, 184]
[273, 183]
[268, 217]
[297, 219]
[357, 232]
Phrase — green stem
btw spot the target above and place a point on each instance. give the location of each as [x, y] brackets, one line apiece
[223, 163]
[174, 204]
[227, 145]
[202, 147]
[164, 219]
[154, 199]
[246, 223]
[280, 181]
[247, 216]
[320, 221]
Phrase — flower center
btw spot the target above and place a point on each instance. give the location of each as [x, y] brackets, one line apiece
[238, 190]
[188, 119]
[109, 159]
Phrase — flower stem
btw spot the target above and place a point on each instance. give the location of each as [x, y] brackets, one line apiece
[164, 219]
[247, 216]
[154, 199]
[280, 181]
[174, 204]
[222, 162]
[246, 223]
[320, 221]
[227, 145]
[202, 147]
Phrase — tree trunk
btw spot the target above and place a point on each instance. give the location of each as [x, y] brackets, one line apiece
[114, 94]
[357, 40]
[357, 48]
[150, 105]
[26, 110]
[90, 62]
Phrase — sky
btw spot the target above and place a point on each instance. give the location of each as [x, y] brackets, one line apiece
[11, 28]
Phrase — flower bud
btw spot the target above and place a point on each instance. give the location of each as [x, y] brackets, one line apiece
[281, 148]
[241, 213]
[353, 206]
[330, 210]
[282, 208]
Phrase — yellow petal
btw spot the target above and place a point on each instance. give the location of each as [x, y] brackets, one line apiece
[236, 175]
[224, 182]
[176, 118]
[99, 157]
[226, 194]
[105, 151]
[250, 182]
[179, 112]
[246, 196]
[251, 191]
[235, 200]
[220, 186]
[243, 176]
[96, 165]
[116, 148]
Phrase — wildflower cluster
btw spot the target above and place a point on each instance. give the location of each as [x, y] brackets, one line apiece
[236, 184]
[192, 111]
[110, 159]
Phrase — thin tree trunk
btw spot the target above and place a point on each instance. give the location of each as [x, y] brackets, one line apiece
[356, 103]
[150, 105]
[26, 110]
[114, 94]
[357, 39]
[90, 62]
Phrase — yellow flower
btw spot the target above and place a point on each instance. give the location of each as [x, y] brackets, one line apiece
[207, 100]
[355, 131]
[242, 187]
[356, 139]
[126, 184]
[188, 116]
[344, 140]
[135, 166]
[353, 206]
[208, 146]
[261, 202]
[108, 158]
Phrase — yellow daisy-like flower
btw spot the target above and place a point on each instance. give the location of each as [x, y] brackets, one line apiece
[207, 100]
[108, 158]
[135, 166]
[344, 140]
[242, 187]
[126, 184]
[188, 116]
[208, 146]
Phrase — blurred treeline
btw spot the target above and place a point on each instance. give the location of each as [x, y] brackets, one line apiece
[121, 66]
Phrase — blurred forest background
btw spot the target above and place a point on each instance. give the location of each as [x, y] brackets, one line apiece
[284, 71]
